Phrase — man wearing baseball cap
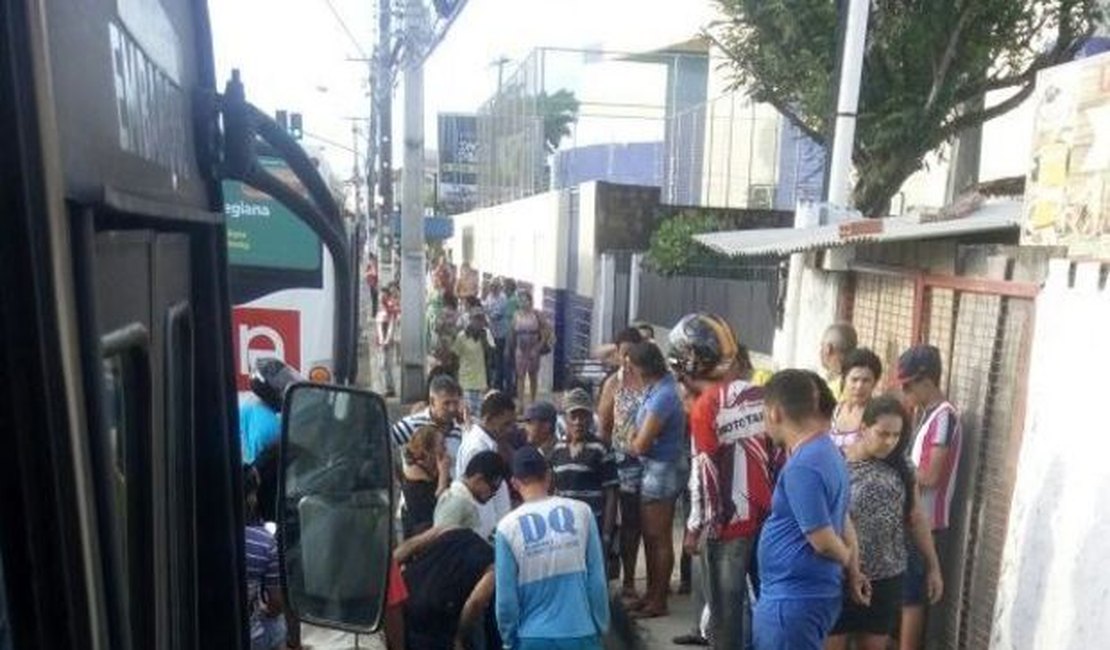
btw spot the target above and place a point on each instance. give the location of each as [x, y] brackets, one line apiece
[936, 454]
[550, 569]
[539, 423]
[584, 467]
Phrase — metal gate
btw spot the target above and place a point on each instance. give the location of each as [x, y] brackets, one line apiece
[983, 329]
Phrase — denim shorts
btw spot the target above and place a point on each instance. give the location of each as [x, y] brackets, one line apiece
[630, 471]
[661, 480]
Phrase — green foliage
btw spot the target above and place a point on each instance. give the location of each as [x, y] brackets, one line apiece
[926, 66]
[559, 110]
[673, 247]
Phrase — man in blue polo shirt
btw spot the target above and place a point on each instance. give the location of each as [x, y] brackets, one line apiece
[807, 546]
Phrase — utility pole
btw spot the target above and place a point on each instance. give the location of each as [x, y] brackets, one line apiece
[383, 98]
[838, 191]
[356, 172]
[412, 208]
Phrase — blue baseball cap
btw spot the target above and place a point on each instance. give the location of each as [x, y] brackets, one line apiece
[917, 362]
[529, 463]
[541, 412]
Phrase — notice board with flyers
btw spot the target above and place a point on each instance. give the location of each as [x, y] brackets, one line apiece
[1067, 191]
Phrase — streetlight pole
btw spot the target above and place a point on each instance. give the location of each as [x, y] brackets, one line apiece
[412, 208]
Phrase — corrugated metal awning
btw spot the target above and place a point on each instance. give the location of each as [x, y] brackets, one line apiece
[1000, 215]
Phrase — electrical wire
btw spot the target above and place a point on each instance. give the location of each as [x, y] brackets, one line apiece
[346, 29]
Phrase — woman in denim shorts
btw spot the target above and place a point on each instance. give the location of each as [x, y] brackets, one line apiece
[660, 424]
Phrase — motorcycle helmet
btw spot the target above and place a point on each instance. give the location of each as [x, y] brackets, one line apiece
[269, 380]
[701, 346]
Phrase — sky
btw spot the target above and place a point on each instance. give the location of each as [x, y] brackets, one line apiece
[301, 55]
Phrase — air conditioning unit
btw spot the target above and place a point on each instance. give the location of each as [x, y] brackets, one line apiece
[761, 197]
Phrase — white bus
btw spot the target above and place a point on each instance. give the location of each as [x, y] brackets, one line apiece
[282, 283]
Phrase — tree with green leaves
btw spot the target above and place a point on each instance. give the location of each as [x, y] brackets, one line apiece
[927, 66]
[559, 111]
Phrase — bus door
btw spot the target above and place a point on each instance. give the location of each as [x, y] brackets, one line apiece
[121, 519]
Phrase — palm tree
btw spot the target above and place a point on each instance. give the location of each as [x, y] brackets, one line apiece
[559, 110]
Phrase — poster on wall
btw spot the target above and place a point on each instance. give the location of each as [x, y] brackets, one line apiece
[1067, 193]
[458, 163]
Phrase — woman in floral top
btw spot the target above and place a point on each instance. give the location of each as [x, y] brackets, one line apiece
[617, 407]
[883, 505]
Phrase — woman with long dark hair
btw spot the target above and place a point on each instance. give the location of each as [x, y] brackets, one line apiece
[883, 506]
[660, 427]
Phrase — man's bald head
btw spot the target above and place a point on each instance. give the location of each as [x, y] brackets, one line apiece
[839, 340]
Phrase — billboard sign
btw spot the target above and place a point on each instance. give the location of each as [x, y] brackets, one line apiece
[1067, 190]
[262, 232]
[458, 162]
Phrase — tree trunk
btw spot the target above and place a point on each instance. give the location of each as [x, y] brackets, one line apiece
[879, 181]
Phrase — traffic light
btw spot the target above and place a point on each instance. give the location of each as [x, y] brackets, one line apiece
[282, 118]
[296, 127]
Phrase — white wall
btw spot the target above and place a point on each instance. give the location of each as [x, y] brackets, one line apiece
[587, 230]
[523, 239]
[1054, 588]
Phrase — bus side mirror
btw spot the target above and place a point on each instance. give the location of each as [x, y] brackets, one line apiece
[335, 506]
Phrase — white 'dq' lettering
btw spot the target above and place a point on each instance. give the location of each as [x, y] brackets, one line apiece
[534, 528]
[247, 335]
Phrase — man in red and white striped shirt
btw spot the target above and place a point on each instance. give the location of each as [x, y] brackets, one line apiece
[730, 479]
[936, 455]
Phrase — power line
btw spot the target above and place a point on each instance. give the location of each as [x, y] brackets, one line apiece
[327, 141]
[346, 30]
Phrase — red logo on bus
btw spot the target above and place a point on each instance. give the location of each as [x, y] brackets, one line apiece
[260, 333]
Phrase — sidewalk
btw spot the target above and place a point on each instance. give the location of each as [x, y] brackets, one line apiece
[654, 633]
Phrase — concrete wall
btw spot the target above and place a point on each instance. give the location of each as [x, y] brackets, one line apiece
[525, 240]
[1054, 587]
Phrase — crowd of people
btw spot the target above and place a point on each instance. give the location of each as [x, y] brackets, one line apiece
[815, 507]
[815, 514]
[487, 335]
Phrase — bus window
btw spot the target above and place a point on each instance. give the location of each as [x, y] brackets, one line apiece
[126, 398]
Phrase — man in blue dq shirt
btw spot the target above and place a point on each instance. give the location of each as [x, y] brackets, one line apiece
[808, 546]
[550, 571]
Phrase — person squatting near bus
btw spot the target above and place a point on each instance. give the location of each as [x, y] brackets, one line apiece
[660, 429]
[732, 475]
[885, 511]
[807, 549]
[550, 568]
[450, 578]
[618, 406]
[861, 371]
[935, 453]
